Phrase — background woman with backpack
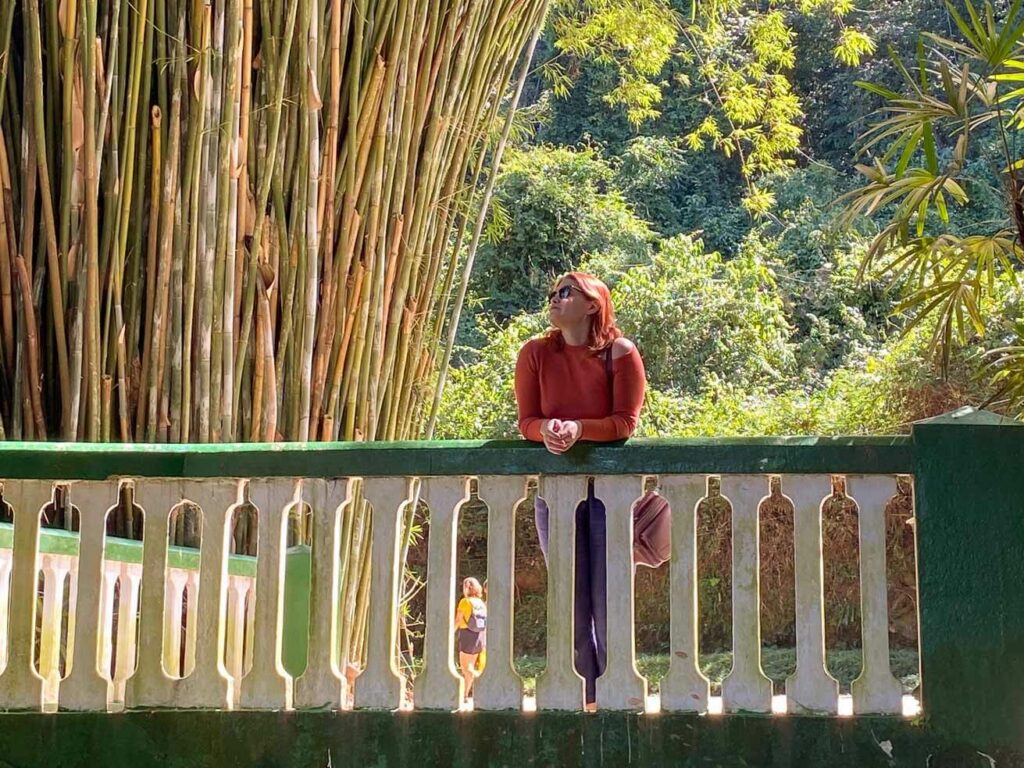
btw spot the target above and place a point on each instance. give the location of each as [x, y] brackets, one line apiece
[470, 631]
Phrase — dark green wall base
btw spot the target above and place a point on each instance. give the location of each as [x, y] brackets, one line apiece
[177, 739]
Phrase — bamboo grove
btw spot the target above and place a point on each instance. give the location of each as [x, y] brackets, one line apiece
[241, 220]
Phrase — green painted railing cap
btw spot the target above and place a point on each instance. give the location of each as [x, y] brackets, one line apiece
[970, 416]
[100, 461]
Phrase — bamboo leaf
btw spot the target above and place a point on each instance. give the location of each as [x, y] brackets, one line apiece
[940, 204]
[929, 147]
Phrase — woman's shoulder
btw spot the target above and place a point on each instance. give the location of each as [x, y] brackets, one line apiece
[622, 347]
[536, 346]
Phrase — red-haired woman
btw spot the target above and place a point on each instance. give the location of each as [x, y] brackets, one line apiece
[584, 381]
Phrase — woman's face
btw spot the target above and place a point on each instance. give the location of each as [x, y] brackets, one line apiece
[567, 305]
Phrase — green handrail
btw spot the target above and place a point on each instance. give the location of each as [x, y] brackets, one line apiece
[750, 455]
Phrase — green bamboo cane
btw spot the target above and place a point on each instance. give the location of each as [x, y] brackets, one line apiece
[151, 270]
[92, 265]
[67, 166]
[216, 220]
[6, 33]
[312, 104]
[8, 246]
[168, 205]
[135, 93]
[32, 345]
[191, 198]
[227, 220]
[358, 650]
[279, 67]
[53, 259]
[204, 253]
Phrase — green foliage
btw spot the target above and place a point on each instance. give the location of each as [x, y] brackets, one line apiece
[649, 172]
[746, 57]
[699, 319]
[479, 400]
[636, 37]
[682, 193]
[957, 90]
[555, 206]
[834, 107]
[737, 59]
[834, 313]
[882, 393]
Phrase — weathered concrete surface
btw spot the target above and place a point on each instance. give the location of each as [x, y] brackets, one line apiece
[317, 739]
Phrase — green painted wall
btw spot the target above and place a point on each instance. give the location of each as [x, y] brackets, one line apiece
[298, 565]
[429, 740]
[969, 487]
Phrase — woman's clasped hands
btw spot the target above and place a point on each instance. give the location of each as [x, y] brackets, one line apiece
[560, 435]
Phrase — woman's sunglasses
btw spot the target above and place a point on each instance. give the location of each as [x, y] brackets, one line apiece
[562, 293]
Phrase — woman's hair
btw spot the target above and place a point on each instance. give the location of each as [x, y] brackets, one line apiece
[603, 330]
[471, 587]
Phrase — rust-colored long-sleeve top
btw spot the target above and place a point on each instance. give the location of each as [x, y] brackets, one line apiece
[558, 381]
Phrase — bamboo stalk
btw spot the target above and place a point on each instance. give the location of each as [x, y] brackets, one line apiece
[69, 133]
[313, 105]
[8, 247]
[168, 206]
[280, 71]
[32, 342]
[241, 160]
[43, 165]
[205, 286]
[227, 247]
[6, 33]
[151, 250]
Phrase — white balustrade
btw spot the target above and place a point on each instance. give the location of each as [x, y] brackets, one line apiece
[559, 686]
[55, 570]
[684, 688]
[201, 629]
[322, 684]
[21, 687]
[621, 686]
[499, 687]
[234, 646]
[746, 687]
[438, 686]
[6, 559]
[381, 684]
[811, 688]
[268, 686]
[85, 687]
[875, 690]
